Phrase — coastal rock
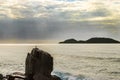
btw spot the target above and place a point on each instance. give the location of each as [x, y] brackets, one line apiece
[1, 76]
[43, 77]
[39, 65]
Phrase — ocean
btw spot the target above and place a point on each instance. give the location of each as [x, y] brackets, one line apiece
[71, 61]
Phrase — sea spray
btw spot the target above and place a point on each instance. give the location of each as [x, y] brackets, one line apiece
[68, 76]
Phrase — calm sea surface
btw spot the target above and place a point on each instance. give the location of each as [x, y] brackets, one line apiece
[71, 62]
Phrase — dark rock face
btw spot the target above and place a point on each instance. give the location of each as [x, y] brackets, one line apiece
[39, 65]
[1, 77]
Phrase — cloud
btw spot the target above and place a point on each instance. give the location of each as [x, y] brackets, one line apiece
[58, 19]
[63, 9]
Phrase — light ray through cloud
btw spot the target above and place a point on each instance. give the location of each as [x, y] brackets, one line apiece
[59, 19]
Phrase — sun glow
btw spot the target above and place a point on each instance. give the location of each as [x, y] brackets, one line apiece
[12, 2]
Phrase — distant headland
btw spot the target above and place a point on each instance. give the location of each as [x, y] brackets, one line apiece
[92, 40]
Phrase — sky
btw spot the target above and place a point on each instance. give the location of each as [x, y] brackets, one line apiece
[52, 21]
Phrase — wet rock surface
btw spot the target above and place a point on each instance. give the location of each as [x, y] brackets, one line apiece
[39, 65]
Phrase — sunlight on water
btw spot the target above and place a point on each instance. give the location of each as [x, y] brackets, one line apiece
[71, 62]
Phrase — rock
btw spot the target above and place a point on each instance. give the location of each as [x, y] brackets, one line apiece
[10, 77]
[42, 77]
[14, 77]
[1, 76]
[39, 65]
[54, 77]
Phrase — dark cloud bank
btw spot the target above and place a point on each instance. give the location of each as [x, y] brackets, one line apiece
[45, 29]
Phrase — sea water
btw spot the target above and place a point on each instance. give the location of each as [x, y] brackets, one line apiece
[71, 61]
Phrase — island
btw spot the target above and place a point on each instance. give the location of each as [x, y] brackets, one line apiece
[91, 40]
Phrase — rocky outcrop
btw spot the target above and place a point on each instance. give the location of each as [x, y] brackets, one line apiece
[1, 77]
[39, 65]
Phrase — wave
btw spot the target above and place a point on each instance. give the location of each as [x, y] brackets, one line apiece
[68, 76]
